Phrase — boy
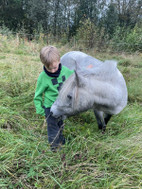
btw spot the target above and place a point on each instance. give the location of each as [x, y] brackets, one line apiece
[49, 83]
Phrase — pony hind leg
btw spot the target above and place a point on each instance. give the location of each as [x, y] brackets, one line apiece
[100, 120]
[107, 118]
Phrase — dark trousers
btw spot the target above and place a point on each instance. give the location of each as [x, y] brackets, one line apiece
[54, 130]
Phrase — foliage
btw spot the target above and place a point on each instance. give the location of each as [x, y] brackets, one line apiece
[5, 31]
[91, 37]
[88, 35]
[12, 14]
[111, 20]
[65, 20]
[65, 15]
[89, 159]
[128, 39]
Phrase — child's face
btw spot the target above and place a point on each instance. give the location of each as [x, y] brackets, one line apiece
[53, 67]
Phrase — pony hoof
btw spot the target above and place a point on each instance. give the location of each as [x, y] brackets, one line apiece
[103, 131]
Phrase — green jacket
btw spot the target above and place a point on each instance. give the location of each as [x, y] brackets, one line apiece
[49, 87]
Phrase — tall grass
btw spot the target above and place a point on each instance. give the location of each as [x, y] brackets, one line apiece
[89, 159]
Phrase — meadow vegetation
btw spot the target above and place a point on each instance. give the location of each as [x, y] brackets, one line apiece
[89, 160]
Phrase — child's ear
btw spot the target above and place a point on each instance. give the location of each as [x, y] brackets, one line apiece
[46, 67]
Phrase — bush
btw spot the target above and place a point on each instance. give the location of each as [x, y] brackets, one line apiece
[127, 39]
[5, 31]
[90, 36]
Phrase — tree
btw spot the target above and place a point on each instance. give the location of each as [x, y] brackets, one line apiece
[129, 12]
[111, 20]
[38, 14]
[12, 13]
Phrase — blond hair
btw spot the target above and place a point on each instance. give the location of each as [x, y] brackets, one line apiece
[48, 55]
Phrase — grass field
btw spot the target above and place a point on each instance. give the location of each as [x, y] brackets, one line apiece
[89, 160]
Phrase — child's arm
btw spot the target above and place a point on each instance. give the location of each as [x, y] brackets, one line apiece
[38, 98]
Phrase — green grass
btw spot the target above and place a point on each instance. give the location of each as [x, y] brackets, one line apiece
[89, 160]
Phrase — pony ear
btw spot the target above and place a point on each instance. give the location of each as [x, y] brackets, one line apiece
[77, 66]
[79, 79]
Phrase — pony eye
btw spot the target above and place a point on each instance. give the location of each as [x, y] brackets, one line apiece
[69, 97]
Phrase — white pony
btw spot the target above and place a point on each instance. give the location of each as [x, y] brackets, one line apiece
[95, 85]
